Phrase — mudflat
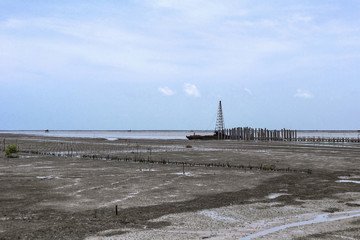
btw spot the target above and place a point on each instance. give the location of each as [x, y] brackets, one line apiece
[86, 188]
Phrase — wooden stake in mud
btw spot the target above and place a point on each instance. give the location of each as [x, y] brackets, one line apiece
[116, 210]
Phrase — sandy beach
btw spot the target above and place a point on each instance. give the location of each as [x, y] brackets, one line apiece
[69, 188]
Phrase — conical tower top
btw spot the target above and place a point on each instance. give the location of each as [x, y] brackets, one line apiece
[220, 126]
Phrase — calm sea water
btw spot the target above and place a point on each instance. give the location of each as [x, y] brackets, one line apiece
[115, 134]
[330, 134]
[167, 134]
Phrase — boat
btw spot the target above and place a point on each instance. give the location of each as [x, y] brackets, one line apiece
[219, 128]
[203, 137]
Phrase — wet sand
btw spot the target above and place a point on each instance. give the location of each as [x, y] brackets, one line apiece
[65, 195]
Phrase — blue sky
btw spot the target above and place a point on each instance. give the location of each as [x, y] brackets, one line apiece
[165, 64]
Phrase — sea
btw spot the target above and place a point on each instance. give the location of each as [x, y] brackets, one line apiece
[114, 134]
[165, 134]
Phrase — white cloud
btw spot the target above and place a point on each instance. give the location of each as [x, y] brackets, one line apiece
[300, 93]
[301, 18]
[191, 90]
[248, 91]
[166, 91]
[200, 11]
[167, 41]
[88, 43]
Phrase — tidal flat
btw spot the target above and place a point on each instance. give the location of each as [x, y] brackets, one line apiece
[94, 188]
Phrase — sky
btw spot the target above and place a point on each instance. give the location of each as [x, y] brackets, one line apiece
[161, 64]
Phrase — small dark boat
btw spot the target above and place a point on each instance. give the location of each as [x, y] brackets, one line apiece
[203, 137]
[47, 130]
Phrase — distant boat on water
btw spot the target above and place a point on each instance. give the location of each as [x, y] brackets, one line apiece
[219, 128]
[203, 137]
[47, 130]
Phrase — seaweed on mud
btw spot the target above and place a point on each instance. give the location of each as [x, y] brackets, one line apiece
[331, 210]
[353, 204]
[356, 222]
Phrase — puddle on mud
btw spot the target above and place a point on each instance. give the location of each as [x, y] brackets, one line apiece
[146, 170]
[276, 195]
[349, 177]
[347, 181]
[26, 156]
[24, 165]
[186, 174]
[45, 177]
[327, 217]
[111, 138]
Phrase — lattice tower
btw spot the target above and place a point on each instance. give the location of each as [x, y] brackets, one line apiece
[220, 126]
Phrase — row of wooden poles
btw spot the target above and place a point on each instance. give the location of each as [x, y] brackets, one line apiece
[248, 133]
[263, 134]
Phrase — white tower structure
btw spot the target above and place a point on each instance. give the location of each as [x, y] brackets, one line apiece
[220, 126]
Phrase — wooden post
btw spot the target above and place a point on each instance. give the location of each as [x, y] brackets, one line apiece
[290, 135]
[263, 134]
[116, 210]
